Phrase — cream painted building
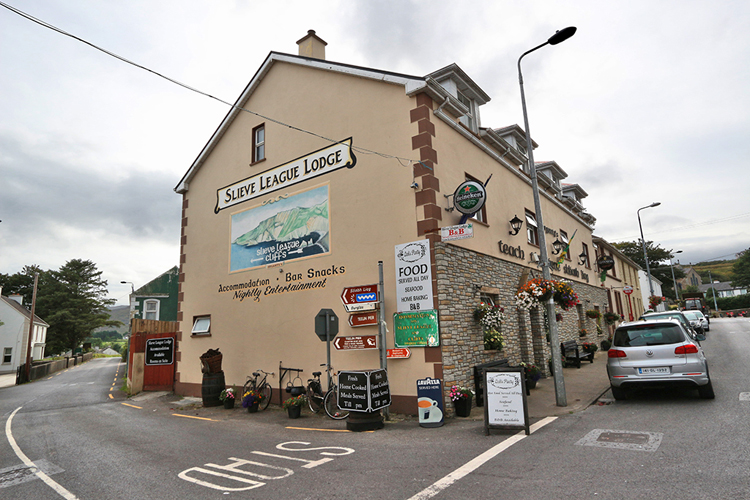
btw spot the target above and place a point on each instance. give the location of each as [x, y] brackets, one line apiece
[621, 278]
[324, 169]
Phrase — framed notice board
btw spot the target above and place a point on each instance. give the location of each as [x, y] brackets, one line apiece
[505, 404]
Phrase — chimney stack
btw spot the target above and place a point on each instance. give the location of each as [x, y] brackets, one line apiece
[311, 45]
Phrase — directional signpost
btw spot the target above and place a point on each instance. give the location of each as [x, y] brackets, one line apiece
[360, 298]
[356, 342]
[363, 319]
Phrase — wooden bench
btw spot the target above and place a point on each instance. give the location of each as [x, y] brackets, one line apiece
[573, 354]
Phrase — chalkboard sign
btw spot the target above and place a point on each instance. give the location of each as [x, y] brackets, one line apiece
[353, 391]
[160, 351]
[380, 393]
[366, 391]
[505, 399]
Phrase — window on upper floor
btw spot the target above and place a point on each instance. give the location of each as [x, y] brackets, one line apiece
[469, 119]
[151, 309]
[565, 241]
[259, 143]
[532, 229]
[585, 260]
[481, 215]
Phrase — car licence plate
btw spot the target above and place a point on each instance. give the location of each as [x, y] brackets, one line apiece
[657, 370]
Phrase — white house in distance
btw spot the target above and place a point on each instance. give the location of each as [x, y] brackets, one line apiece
[646, 291]
[14, 334]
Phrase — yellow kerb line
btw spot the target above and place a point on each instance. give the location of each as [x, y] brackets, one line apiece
[110, 396]
[132, 406]
[320, 430]
[197, 418]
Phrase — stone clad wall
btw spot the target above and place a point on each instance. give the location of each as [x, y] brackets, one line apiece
[461, 276]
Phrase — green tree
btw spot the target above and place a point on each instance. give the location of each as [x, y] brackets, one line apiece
[658, 261]
[73, 303]
[741, 270]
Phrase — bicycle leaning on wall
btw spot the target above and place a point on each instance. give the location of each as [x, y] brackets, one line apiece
[317, 399]
[263, 387]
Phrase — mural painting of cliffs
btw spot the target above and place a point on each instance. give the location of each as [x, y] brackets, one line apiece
[291, 228]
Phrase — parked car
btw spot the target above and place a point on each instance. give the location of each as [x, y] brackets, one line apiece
[694, 327]
[656, 353]
[698, 316]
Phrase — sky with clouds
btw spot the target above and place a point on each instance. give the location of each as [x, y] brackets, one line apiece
[647, 102]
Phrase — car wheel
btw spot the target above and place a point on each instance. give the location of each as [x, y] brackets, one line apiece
[706, 391]
[619, 393]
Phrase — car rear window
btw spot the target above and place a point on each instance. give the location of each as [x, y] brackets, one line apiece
[648, 335]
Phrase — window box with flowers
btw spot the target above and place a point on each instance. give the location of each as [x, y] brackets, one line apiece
[491, 318]
[593, 314]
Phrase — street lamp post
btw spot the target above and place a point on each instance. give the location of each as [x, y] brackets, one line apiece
[643, 242]
[561, 400]
[674, 282]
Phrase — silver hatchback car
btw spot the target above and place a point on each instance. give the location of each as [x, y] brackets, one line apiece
[651, 353]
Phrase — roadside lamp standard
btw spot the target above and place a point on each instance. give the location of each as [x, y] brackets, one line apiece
[674, 282]
[558, 37]
[643, 243]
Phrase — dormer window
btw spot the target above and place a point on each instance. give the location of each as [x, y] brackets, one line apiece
[468, 119]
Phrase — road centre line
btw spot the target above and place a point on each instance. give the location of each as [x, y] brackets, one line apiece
[41, 475]
[110, 396]
[477, 462]
[132, 406]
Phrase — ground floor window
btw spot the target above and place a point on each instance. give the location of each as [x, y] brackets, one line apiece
[201, 325]
[7, 354]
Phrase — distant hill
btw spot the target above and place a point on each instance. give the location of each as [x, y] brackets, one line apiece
[721, 270]
[118, 313]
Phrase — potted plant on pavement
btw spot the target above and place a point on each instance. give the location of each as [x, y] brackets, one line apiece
[532, 374]
[228, 397]
[251, 399]
[293, 406]
[589, 347]
[461, 397]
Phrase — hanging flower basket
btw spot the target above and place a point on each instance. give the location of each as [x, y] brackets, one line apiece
[654, 301]
[537, 291]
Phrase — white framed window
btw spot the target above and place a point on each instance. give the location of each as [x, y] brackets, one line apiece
[151, 309]
[7, 355]
[469, 119]
[259, 143]
[532, 234]
[201, 325]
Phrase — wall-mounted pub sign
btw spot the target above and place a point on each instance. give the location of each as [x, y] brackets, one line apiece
[605, 262]
[469, 197]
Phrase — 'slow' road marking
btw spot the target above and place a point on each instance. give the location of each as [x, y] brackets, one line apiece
[41, 475]
[477, 462]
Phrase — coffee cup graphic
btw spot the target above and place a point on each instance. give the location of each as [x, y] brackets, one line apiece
[426, 405]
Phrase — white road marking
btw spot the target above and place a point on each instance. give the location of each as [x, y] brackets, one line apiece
[477, 462]
[41, 475]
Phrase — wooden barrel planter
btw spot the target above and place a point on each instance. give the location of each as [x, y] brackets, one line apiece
[213, 384]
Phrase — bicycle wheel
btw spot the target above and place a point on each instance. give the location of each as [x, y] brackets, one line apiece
[313, 400]
[249, 385]
[330, 403]
[267, 391]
